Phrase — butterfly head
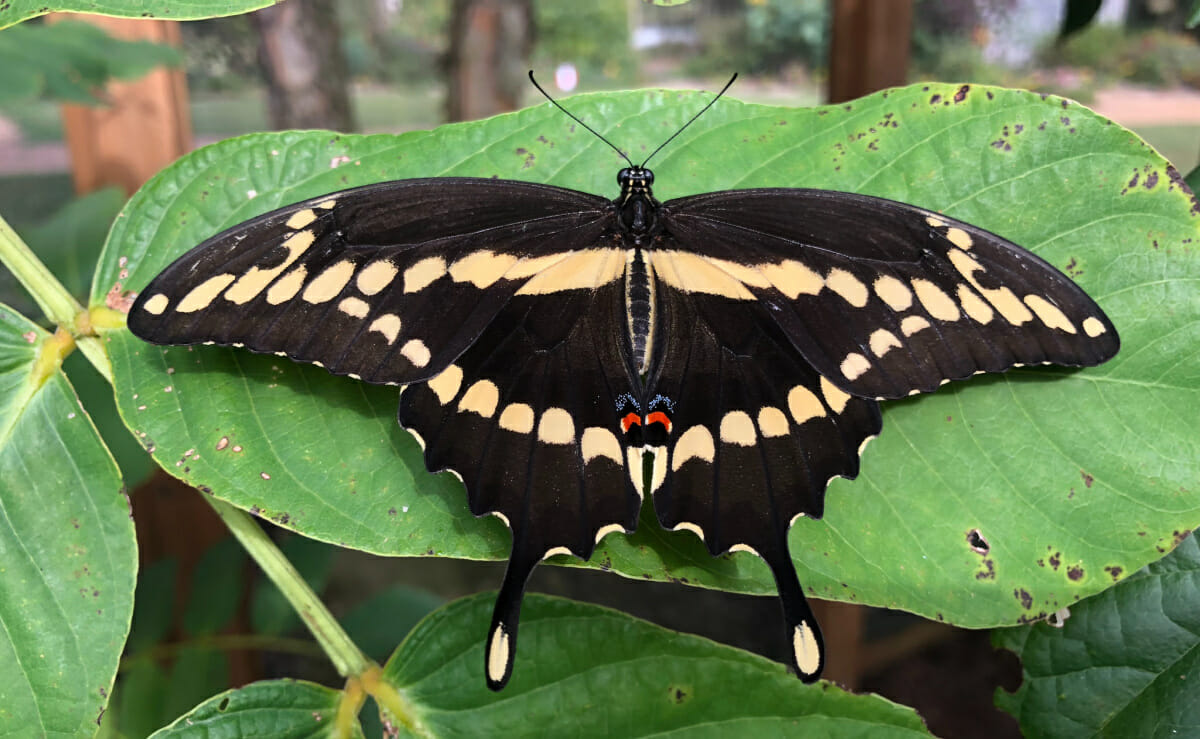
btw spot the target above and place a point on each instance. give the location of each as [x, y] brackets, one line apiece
[635, 179]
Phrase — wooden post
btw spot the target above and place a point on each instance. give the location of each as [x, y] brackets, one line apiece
[869, 48]
[145, 124]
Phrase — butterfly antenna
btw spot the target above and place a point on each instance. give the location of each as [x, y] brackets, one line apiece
[572, 117]
[691, 120]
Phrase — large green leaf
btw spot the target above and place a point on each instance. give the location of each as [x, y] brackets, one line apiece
[67, 550]
[1125, 662]
[586, 671]
[15, 11]
[274, 708]
[991, 502]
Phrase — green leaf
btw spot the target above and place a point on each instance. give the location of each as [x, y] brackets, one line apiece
[1125, 662]
[69, 61]
[587, 671]
[15, 11]
[67, 551]
[154, 612]
[276, 708]
[1063, 474]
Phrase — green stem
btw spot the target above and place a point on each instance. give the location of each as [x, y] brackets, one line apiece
[51, 296]
[344, 654]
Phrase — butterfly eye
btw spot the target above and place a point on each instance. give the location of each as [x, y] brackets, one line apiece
[624, 176]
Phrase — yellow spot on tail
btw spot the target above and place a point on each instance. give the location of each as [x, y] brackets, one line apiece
[854, 365]
[893, 292]
[938, 303]
[883, 341]
[1092, 326]
[804, 405]
[697, 443]
[159, 303]
[481, 268]
[738, 429]
[556, 427]
[497, 661]
[301, 218]
[423, 273]
[834, 395]
[445, 386]
[806, 649]
[793, 278]
[847, 285]
[599, 442]
[772, 422]
[416, 352]
[481, 398]
[327, 285]
[1049, 314]
[606, 530]
[376, 276]
[959, 238]
[517, 417]
[203, 294]
[912, 324]
[287, 287]
[658, 466]
[553, 551]
[387, 324]
[354, 307]
[689, 526]
[744, 548]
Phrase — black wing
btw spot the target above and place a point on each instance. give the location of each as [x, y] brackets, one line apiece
[883, 298]
[388, 283]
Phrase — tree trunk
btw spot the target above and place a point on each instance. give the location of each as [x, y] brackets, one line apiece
[869, 49]
[490, 41]
[300, 52]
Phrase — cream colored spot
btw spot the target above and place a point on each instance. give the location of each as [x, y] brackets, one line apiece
[556, 427]
[696, 442]
[893, 292]
[327, 204]
[526, 267]
[1049, 314]
[633, 467]
[423, 273]
[447, 383]
[959, 238]
[287, 287]
[938, 303]
[689, 526]
[497, 663]
[793, 278]
[974, 306]
[354, 307]
[738, 429]
[1092, 326]
[587, 269]
[883, 341]
[555, 551]
[481, 398]
[609, 529]
[415, 351]
[159, 303]
[848, 286]
[693, 273]
[804, 405]
[912, 324]
[854, 365]
[203, 294]
[658, 467]
[935, 222]
[1002, 299]
[806, 649]
[301, 218]
[250, 284]
[834, 395]
[599, 442]
[772, 422]
[387, 324]
[376, 276]
[744, 548]
[329, 283]
[481, 268]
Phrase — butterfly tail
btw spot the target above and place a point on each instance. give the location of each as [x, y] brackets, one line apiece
[501, 647]
[804, 635]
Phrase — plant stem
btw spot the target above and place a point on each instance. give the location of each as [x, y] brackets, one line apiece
[345, 655]
[47, 291]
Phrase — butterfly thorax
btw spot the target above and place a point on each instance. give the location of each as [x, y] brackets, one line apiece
[638, 223]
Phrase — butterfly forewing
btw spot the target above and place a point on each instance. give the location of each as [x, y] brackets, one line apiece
[886, 299]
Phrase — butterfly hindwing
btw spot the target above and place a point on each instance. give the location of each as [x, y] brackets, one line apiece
[884, 298]
[388, 283]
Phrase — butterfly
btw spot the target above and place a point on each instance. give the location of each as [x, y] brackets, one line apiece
[567, 355]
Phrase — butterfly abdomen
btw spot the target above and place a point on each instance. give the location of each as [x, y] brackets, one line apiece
[639, 309]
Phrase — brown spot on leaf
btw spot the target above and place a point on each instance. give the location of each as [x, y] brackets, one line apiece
[961, 95]
[987, 574]
[1075, 573]
[1026, 599]
[1087, 479]
[935, 99]
[1055, 560]
[1114, 571]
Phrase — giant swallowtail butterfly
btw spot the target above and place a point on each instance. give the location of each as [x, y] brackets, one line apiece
[566, 355]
